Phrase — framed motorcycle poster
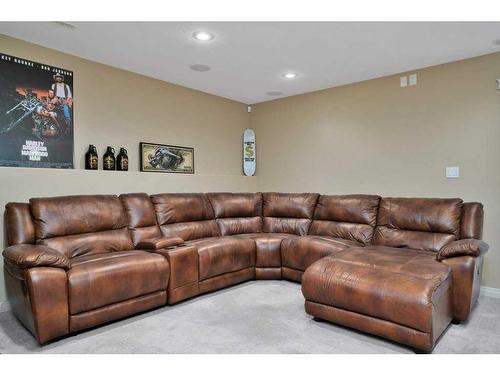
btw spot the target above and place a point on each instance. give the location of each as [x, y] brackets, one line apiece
[165, 158]
[36, 114]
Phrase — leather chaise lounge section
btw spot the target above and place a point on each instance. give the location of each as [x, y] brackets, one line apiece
[400, 268]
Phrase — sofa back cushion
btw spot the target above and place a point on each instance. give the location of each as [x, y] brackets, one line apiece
[351, 217]
[81, 224]
[418, 223]
[237, 213]
[141, 216]
[189, 216]
[288, 212]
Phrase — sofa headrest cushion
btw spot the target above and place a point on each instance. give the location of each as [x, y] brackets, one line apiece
[421, 214]
[289, 205]
[360, 209]
[236, 204]
[180, 208]
[77, 214]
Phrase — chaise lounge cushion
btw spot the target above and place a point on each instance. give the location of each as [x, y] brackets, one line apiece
[300, 252]
[220, 255]
[102, 279]
[400, 286]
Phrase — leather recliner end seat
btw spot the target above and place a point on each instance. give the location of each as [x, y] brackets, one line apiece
[73, 265]
[401, 268]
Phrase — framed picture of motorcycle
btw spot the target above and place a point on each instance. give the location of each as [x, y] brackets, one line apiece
[36, 114]
[166, 158]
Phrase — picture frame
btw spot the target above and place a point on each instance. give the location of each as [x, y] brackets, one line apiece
[162, 158]
[36, 114]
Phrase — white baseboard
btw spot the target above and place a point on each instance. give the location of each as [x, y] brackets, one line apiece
[4, 306]
[487, 291]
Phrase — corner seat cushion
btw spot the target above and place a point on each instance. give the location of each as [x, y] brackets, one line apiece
[300, 252]
[220, 255]
[102, 279]
[396, 285]
[268, 248]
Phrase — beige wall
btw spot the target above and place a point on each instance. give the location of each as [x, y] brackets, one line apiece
[375, 137]
[119, 108]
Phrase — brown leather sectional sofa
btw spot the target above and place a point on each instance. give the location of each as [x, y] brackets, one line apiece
[401, 268]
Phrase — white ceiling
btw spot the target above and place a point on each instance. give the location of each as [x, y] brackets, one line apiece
[247, 59]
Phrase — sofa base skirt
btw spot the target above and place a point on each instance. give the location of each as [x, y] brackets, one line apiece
[183, 292]
[117, 311]
[39, 299]
[404, 335]
[227, 279]
[291, 274]
[271, 273]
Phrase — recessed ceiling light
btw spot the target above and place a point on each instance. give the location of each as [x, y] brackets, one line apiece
[274, 93]
[290, 75]
[200, 68]
[203, 36]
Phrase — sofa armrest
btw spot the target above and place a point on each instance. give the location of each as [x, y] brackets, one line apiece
[184, 265]
[468, 246]
[160, 243]
[29, 256]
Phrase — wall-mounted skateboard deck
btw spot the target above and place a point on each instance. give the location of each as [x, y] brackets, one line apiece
[249, 152]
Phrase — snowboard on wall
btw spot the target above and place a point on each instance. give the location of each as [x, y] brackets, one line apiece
[249, 152]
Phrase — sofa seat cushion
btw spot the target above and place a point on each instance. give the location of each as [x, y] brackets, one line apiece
[219, 255]
[103, 279]
[401, 286]
[300, 252]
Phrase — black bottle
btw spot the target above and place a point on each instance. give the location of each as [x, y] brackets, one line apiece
[122, 160]
[108, 160]
[91, 158]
